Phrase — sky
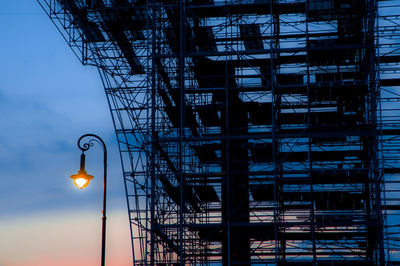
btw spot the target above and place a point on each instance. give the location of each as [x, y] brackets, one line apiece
[47, 101]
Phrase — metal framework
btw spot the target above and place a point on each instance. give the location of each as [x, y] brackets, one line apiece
[250, 131]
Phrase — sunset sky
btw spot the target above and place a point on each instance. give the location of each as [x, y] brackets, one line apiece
[47, 101]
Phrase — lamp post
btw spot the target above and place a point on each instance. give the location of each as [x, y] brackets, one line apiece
[82, 179]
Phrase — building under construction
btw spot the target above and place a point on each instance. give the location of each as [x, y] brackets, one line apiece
[251, 131]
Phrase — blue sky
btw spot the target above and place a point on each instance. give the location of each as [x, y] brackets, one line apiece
[47, 101]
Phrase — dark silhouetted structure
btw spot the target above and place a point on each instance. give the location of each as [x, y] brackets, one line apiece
[250, 131]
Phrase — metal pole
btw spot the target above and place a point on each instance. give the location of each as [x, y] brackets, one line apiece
[181, 77]
[84, 148]
[153, 200]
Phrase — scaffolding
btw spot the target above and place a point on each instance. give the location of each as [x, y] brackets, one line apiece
[251, 131]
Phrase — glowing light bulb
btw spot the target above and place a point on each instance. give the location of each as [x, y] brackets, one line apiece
[81, 182]
[82, 179]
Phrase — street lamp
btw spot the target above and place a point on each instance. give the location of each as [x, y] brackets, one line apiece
[82, 179]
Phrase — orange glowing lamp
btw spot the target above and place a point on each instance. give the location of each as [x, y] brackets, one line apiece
[82, 179]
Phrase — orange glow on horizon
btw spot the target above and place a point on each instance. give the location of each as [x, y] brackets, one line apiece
[64, 238]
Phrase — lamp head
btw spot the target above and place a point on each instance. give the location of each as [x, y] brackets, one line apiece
[81, 179]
